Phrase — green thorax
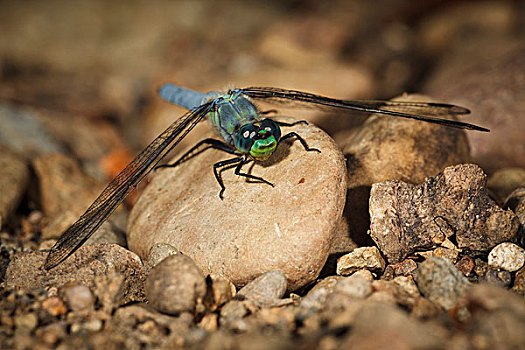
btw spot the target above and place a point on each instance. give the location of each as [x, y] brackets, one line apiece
[231, 111]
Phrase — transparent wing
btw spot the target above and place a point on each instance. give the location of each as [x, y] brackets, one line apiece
[122, 185]
[428, 112]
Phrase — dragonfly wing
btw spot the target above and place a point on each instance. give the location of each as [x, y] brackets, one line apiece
[122, 185]
[428, 112]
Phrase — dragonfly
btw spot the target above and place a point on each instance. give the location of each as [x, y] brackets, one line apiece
[245, 133]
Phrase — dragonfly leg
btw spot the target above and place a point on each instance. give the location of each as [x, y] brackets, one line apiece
[222, 164]
[211, 143]
[269, 112]
[292, 124]
[249, 176]
[301, 140]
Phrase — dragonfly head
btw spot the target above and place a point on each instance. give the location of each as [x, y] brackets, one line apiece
[259, 139]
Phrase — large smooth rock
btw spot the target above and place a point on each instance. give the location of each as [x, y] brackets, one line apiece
[387, 148]
[256, 228]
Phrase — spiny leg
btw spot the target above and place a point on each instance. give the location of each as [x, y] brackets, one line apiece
[212, 143]
[249, 176]
[292, 124]
[222, 164]
[303, 142]
[269, 112]
[241, 161]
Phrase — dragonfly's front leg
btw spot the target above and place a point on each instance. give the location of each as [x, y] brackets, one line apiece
[211, 143]
[303, 142]
[292, 124]
[222, 164]
[240, 161]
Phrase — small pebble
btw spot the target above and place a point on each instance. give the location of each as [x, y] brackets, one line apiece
[79, 298]
[446, 253]
[365, 257]
[265, 289]
[232, 313]
[317, 296]
[497, 277]
[175, 285]
[403, 268]
[90, 326]
[26, 321]
[440, 281]
[159, 252]
[209, 322]
[354, 287]
[506, 180]
[52, 332]
[465, 265]
[507, 256]
[222, 291]
[54, 305]
[109, 290]
[519, 282]
[363, 273]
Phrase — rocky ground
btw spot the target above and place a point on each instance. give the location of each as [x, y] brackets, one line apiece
[397, 235]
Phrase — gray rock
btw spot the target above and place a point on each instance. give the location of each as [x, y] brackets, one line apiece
[26, 269]
[175, 285]
[316, 297]
[265, 290]
[159, 252]
[507, 256]
[361, 258]
[354, 287]
[439, 281]
[232, 314]
[407, 218]
[14, 177]
[256, 228]
[79, 297]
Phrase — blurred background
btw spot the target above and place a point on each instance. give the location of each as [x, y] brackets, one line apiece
[81, 77]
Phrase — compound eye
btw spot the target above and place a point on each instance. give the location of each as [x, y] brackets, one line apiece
[248, 134]
[245, 137]
[271, 127]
